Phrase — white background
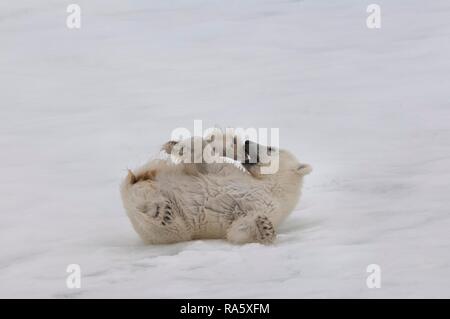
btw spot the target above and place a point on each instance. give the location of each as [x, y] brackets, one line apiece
[368, 109]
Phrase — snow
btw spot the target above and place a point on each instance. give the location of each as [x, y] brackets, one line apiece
[368, 108]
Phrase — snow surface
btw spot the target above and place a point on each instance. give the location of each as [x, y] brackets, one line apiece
[369, 109]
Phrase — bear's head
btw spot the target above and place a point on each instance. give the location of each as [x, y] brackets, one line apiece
[269, 162]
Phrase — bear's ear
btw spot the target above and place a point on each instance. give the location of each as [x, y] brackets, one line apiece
[304, 169]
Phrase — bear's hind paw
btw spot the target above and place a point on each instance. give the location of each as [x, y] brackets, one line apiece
[265, 231]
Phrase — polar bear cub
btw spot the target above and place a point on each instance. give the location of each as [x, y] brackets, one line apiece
[169, 202]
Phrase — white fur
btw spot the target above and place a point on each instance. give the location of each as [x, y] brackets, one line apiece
[178, 204]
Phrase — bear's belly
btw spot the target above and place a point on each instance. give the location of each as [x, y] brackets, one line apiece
[213, 225]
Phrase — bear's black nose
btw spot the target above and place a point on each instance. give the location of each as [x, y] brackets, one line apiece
[251, 152]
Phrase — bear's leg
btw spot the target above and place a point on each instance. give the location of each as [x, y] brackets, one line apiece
[158, 223]
[251, 229]
[265, 231]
